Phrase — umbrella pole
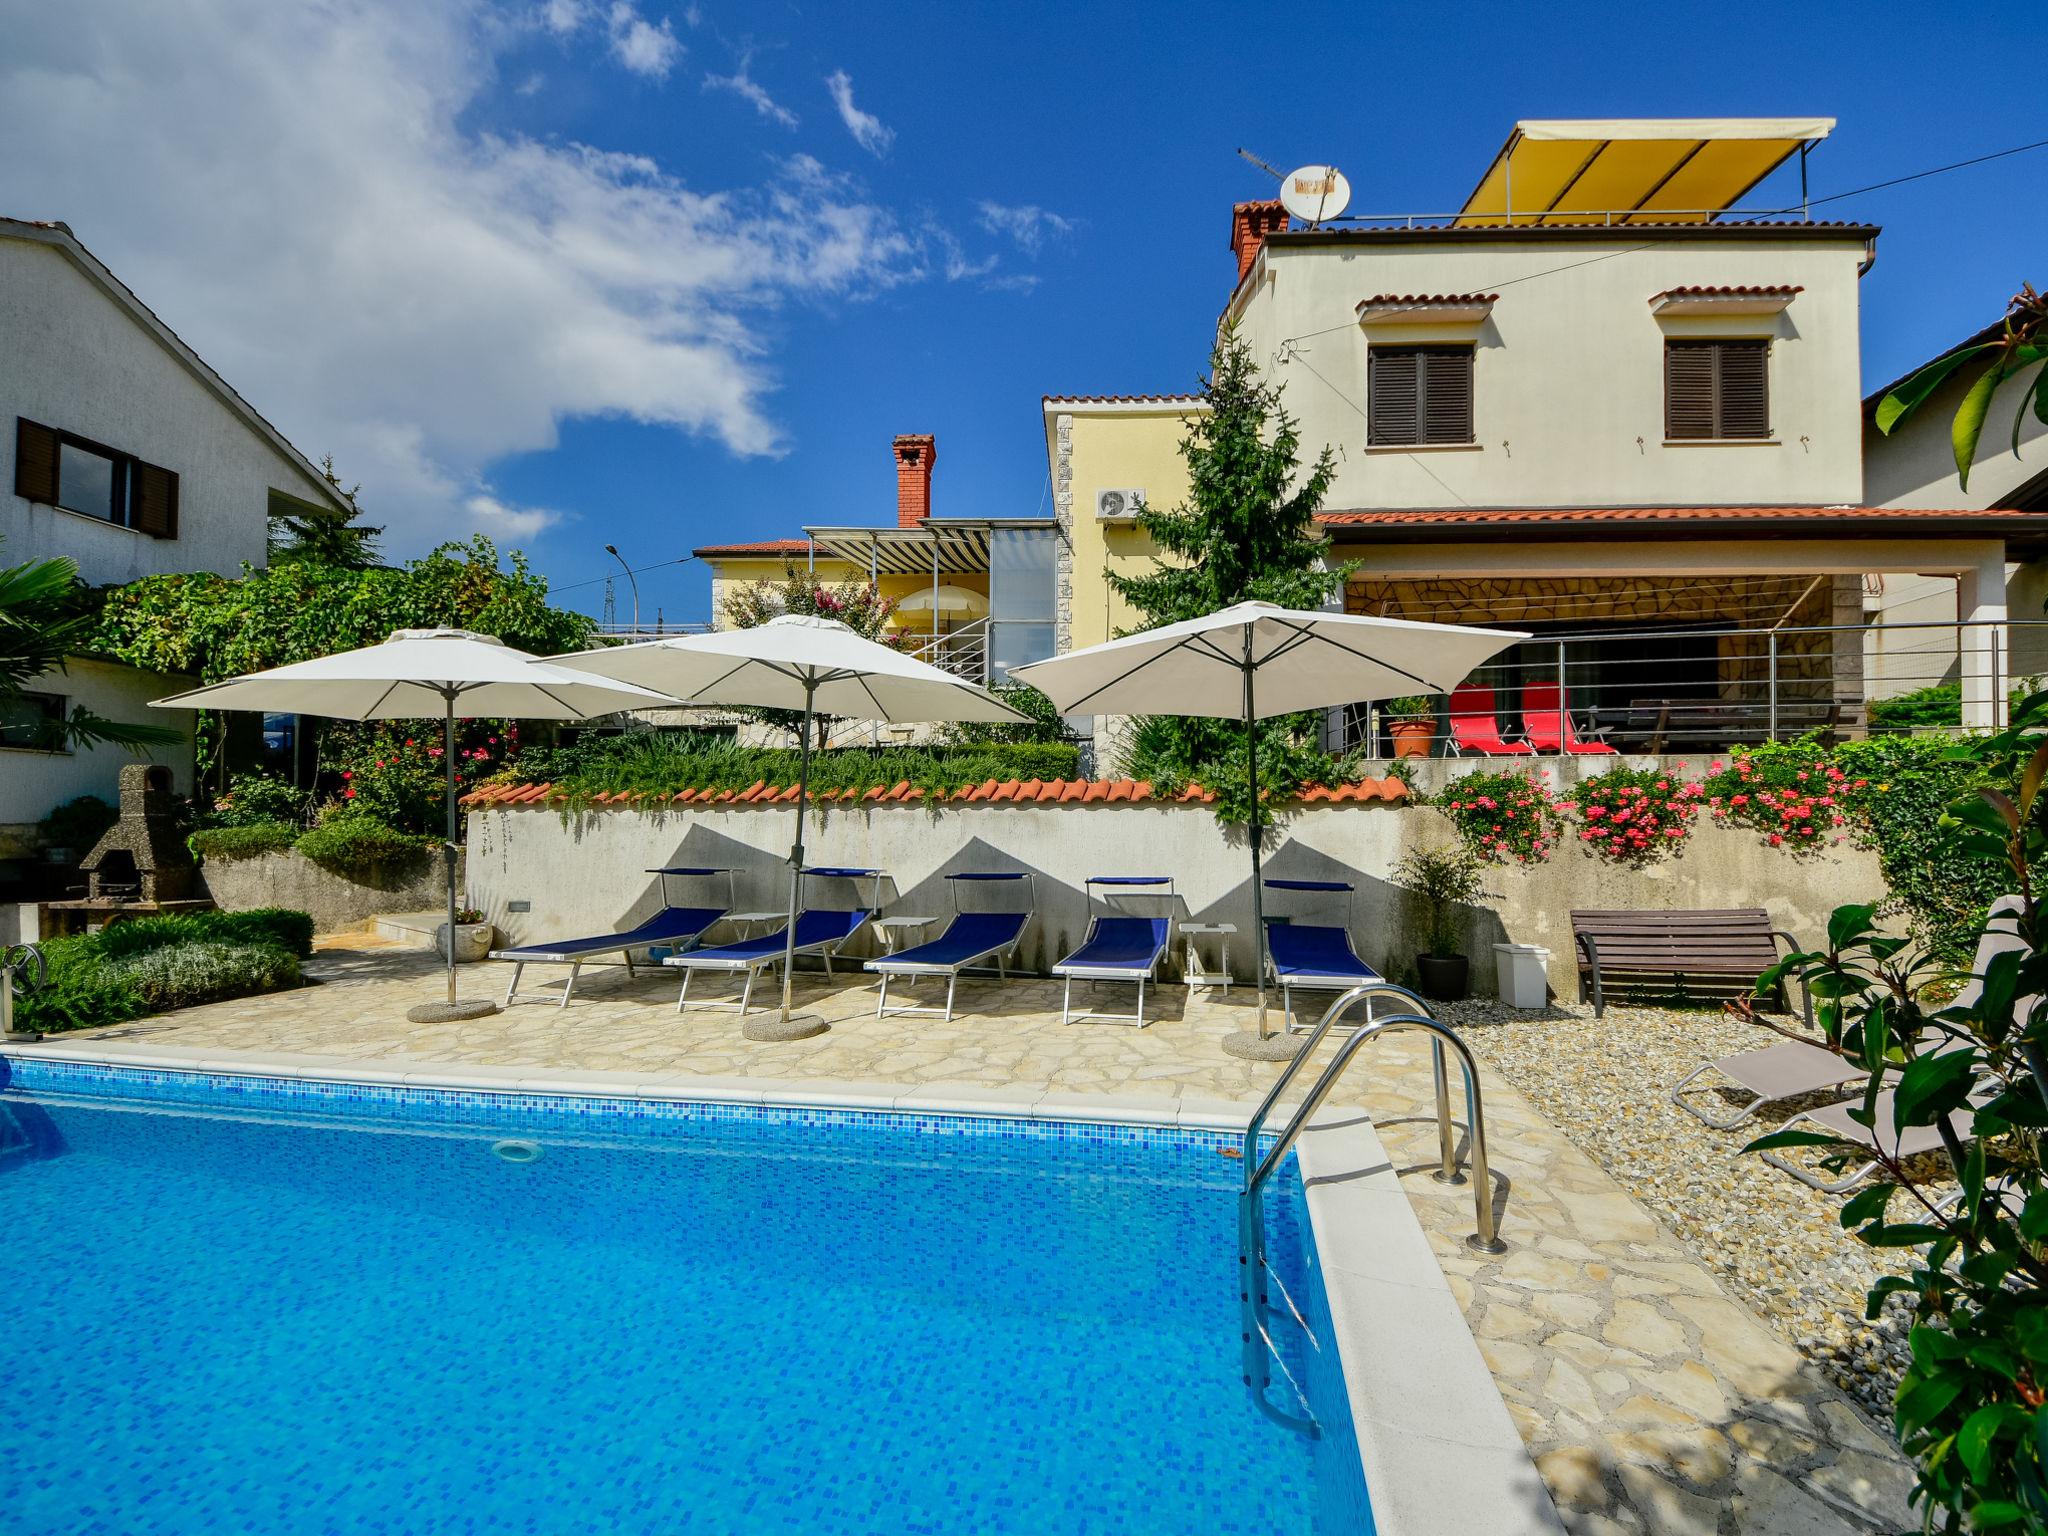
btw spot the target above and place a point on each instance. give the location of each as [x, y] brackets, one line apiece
[796, 852]
[1251, 759]
[448, 847]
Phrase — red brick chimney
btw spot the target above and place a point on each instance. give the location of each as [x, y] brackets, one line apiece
[916, 453]
[1250, 223]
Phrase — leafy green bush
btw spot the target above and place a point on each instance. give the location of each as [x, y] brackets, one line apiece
[259, 799]
[206, 971]
[348, 844]
[248, 841]
[77, 824]
[130, 969]
[1045, 724]
[1939, 705]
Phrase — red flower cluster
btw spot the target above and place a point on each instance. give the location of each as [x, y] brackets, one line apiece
[1799, 813]
[1632, 814]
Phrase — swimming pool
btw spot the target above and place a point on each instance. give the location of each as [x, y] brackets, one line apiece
[260, 1306]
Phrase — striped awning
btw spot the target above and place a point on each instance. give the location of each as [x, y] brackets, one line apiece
[961, 544]
[1634, 170]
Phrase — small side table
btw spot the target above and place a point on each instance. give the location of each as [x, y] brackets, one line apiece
[745, 921]
[1196, 972]
[889, 928]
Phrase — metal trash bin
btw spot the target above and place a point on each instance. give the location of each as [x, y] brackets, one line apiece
[1522, 972]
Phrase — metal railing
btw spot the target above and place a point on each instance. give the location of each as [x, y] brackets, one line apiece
[628, 634]
[1255, 1271]
[963, 652]
[1693, 690]
[1542, 218]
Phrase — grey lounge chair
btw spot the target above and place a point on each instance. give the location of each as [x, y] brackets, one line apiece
[1880, 1135]
[1778, 1073]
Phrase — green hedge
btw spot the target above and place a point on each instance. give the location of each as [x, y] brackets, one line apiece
[243, 842]
[127, 970]
[350, 844]
[663, 762]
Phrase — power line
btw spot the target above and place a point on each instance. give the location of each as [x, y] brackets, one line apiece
[637, 571]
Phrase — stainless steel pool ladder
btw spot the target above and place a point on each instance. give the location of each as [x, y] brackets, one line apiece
[1255, 1271]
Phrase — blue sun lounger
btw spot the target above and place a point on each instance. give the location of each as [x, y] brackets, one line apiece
[1118, 947]
[972, 940]
[1315, 956]
[673, 925]
[820, 931]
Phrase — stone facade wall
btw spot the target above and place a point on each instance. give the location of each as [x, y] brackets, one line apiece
[336, 902]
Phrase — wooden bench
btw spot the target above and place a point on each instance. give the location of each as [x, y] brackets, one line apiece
[1738, 944]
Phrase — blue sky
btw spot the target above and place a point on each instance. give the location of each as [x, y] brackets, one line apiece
[584, 271]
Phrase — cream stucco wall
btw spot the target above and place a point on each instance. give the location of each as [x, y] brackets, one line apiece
[77, 361]
[1112, 446]
[730, 575]
[32, 784]
[1568, 391]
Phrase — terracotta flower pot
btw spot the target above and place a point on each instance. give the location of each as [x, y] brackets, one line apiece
[1411, 736]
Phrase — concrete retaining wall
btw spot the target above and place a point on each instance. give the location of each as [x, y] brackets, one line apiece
[337, 902]
[584, 873]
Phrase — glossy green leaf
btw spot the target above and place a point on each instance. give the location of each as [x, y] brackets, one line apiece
[1932, 1087]
[1778, 1139]
[1924, 1400]
[1968, 425]
[1907, 398]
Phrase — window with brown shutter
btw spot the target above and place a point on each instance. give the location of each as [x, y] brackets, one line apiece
[61, 469]
[1418, 395]
[1716, 390]
[35, 461]
[153, 500]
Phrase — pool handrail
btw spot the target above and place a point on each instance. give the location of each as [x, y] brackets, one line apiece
[1260, 1352]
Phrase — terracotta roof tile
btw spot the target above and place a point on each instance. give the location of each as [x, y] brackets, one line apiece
[1694, 291]
[1456, 517]
[1430, 298]
[1122, 400]
[988, 792]
[760, 547]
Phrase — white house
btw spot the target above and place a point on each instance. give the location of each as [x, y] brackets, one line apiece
[122, 449]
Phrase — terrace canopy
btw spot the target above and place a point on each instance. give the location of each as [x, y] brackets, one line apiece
[1683, 170]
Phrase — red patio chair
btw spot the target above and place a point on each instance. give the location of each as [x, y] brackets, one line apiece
[1549, 727]
[1475, 728]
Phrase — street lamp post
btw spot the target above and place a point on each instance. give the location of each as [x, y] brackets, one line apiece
[613, 551]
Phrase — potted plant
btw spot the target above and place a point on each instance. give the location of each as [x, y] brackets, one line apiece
[1411, 721]
[1443, 880]
[473, 936]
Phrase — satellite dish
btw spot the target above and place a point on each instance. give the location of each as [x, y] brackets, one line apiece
[1315, 193]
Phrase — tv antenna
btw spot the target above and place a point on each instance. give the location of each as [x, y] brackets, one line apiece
[1313, 194]
[1268, 167]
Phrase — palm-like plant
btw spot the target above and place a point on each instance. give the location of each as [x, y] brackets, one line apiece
[41, 624]
[2022, 342]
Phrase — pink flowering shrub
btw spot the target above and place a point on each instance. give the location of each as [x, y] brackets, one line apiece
[1509, 818]
[1797, 801]
[1633, 814]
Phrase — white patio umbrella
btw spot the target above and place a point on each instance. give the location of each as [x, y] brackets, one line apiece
[1251, 661]
[797, 662]
[416, 674]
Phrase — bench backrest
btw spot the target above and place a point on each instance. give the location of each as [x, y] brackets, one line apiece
[1735, 939]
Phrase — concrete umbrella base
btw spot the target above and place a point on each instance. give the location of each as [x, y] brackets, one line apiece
[1252, 1046]
[773, 1026]
[449, 1013]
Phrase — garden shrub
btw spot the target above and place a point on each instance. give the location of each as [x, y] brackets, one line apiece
[258, 799]
[77, 824]
[1938, 705]
[198, 971]
[134, 968]
[349, 844]
[1634, 814]
[247, 841]
[1504, 816]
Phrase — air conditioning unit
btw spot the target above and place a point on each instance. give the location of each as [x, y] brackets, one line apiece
[1118, 506]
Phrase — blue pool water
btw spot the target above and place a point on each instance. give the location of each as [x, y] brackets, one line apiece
[232, 1307]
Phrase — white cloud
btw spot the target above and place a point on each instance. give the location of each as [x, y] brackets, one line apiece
[953, 259]
[742, 85]
[642, 47]
[563, 16]
[1029, 225]
[867, 129]
[506, 522]
[295, 190]
[531, 85]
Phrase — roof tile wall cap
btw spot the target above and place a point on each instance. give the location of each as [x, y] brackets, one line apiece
[1043, 791]
[1120, 399]
[1429, 298]
[1696, 291]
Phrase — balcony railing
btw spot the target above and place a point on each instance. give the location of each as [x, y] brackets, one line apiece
[964, 652]
[1667, 691]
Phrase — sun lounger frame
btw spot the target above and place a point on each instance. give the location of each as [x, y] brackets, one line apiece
[752, 965]
[1321, 981]
[889, 967]
[1160, 885]
[524, 955]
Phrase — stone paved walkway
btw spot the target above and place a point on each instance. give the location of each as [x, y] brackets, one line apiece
[1651, 1400]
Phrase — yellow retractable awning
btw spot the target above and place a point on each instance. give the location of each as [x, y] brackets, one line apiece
[1634, 170]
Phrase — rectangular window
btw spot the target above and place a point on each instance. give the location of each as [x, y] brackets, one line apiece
[33, 722]
[1716, 390]
[91, 483]
[1418, 395]
[61, 469]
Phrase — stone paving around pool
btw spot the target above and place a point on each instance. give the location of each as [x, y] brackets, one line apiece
[1651, 1399]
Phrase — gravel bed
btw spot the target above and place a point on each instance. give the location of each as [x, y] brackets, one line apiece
[1606, 1084]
